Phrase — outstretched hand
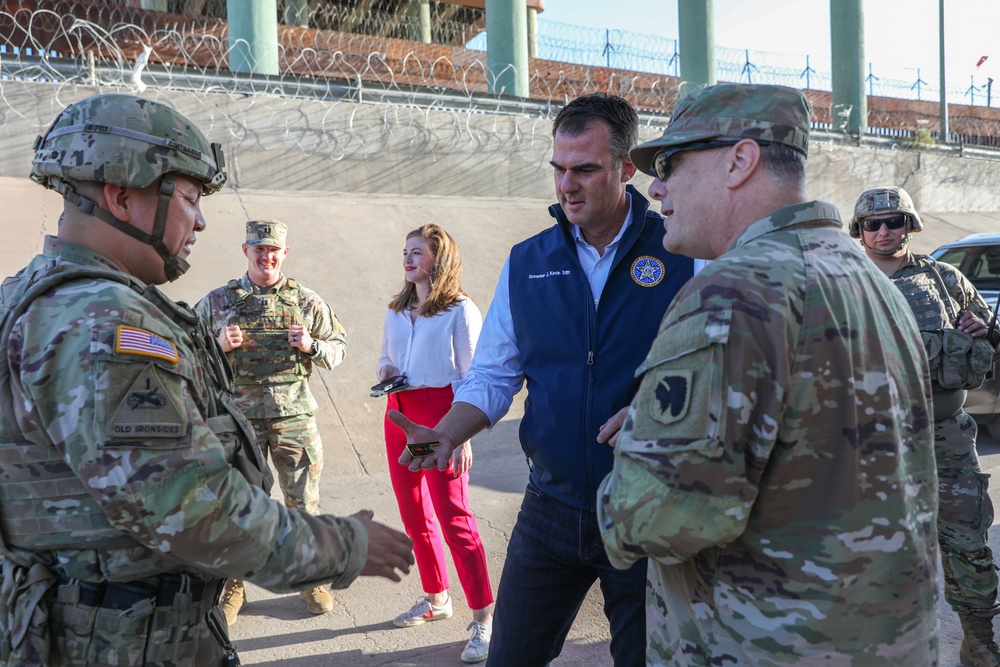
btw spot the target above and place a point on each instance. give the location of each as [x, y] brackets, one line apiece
[417, 433]
[388, 549]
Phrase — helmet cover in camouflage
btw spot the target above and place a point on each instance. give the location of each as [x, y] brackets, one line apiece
[125, 140]
[267, 232]
[878, 201]
[777, 114]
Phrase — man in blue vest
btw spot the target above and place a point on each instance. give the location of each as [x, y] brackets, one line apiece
[575, 307]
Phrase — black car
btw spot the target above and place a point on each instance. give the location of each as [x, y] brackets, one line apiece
[977, 256]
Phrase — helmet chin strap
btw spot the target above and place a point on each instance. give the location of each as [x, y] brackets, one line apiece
[173, 266]
[887, 253]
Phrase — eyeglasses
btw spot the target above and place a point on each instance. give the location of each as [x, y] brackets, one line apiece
[874, 224]
[661, 162]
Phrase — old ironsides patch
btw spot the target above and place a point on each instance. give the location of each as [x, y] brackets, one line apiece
[647, 271]
[671, 396]
[149, 409]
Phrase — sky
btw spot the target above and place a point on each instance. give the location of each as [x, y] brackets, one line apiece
[900, 35]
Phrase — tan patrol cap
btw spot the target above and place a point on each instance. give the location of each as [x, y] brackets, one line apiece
[777, 114]
[267, 232]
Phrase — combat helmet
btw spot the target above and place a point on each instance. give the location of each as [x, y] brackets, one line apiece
[132, 142]
[877, 201]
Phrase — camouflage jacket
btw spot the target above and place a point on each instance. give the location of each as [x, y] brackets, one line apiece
[777, 463]
[283, 399]
[116, 386]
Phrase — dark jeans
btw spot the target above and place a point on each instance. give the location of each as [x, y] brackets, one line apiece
[554, 555]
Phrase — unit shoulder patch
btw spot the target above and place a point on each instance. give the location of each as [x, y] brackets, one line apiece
[671, 396]
[151, 408]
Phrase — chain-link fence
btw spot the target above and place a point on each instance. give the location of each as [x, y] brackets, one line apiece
[624, 50]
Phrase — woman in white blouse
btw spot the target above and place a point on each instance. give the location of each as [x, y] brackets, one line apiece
[429, 336]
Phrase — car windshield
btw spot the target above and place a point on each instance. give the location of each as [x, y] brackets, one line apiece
[979, 263]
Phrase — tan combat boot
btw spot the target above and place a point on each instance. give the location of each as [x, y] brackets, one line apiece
[979, 648]
[318, 601]
[233, 599]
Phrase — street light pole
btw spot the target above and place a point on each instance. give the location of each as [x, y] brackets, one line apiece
[944, 94]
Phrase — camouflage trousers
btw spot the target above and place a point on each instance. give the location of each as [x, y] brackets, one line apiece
[294, 445]
[965, 513]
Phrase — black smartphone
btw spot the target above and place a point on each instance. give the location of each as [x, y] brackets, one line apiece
[395, 383]
[419, 450]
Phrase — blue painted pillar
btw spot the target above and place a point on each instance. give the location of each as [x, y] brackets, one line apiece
[253, 36]
[847, 51]
[696, 23]
[506, 47]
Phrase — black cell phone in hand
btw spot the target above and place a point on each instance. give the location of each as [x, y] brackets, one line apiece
[393, 384]
[420, 450]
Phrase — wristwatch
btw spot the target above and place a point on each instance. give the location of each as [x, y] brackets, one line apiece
[314, 349]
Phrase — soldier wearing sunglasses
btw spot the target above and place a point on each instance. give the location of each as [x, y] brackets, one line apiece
[952, 318]
[776, 465]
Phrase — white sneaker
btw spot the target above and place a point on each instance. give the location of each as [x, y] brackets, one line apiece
[478, 648]
[422, 612]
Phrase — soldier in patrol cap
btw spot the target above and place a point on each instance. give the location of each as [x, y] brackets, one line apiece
[776, 465]
[274, 331]
[131, 485]
[952, 318]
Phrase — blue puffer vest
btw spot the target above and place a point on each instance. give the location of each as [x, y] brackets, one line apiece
[579, 361]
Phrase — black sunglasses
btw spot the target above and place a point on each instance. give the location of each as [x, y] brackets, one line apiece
[661, 161]
[895, 222]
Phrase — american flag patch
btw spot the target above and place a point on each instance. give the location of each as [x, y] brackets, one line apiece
[132, 340]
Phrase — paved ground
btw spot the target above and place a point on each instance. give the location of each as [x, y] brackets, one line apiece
[277, 630]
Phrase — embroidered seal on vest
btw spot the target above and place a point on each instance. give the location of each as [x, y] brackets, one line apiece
[647, 271]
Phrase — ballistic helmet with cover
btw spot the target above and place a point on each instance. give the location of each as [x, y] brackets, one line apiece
[131, 142]
[878, 201]
[776, 114]
[124, 140]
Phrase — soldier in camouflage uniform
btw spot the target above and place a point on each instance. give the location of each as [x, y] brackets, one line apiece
[274, 331]
[131, 485]
[952, 317]
[776, 465]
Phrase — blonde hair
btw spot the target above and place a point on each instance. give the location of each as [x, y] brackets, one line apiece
[445, 275]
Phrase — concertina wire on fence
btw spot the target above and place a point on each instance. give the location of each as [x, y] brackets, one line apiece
[356, 53]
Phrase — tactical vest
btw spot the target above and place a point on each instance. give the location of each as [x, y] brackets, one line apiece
[957, 360]
[265, 357]
[26, 519]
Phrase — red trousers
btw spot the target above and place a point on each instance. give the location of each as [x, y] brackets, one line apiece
[424, 495]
